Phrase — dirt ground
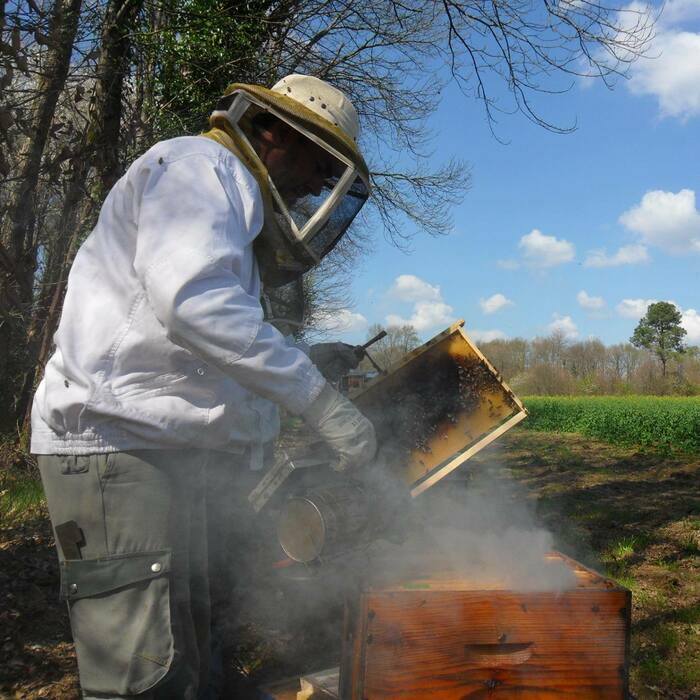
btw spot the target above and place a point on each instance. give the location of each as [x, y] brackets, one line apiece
[634, 515]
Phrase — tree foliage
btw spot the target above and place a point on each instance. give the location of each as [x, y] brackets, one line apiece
[660, 331]
[554, 366]
[195, 49]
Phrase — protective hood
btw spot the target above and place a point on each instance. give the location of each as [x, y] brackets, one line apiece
[302, 227]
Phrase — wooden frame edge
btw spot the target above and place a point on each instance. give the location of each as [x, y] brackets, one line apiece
[443, 471]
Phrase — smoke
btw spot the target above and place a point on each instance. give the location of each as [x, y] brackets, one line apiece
[476, 530]
[481, 532]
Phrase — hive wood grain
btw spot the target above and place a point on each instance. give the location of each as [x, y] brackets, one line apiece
[437, 638]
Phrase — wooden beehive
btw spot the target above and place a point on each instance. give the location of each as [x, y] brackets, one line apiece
[441, 638]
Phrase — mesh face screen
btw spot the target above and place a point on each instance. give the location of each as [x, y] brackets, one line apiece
[305, 175]
[323, 241]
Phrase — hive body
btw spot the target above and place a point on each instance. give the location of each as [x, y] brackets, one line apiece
[438, 637]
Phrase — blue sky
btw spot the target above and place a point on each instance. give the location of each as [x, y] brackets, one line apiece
[577, 232]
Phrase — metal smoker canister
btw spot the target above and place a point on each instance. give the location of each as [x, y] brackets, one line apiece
[323, 522]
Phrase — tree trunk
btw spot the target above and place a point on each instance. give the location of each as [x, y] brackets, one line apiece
[113, 65]
[48, 307]
[16, 233]
[146, 74]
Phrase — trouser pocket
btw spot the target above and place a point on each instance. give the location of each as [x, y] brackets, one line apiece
[120, 613]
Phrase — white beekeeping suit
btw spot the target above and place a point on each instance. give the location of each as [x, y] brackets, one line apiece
[162, 341]
[165, 381]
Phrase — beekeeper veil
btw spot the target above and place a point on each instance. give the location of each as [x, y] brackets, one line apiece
[300, 227]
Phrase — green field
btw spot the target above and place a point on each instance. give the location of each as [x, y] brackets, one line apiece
[660, 422]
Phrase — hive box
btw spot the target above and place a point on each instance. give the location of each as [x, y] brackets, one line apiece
[440, 637]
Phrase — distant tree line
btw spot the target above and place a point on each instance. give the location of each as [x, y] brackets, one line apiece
[655, 361]
[552, 365]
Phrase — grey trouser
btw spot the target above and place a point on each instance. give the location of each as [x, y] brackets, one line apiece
[159, 529]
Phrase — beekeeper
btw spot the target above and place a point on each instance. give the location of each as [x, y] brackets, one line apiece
[162, 396]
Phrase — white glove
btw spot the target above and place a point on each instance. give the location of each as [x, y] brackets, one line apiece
[343, 428]
[334, 359]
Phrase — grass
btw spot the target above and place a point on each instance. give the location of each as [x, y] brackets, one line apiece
[664, 423]
[21, 498]
[690, 545]
[690, 615]
[617, 558]
[633, 514]
[669, 659]
[625, 548]
[624, 579]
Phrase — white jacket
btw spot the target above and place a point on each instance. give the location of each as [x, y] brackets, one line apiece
[162, 341]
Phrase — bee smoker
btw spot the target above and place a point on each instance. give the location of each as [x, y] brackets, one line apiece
[432, 411]
[324, 521]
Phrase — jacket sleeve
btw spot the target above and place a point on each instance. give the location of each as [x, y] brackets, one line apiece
[197, 218]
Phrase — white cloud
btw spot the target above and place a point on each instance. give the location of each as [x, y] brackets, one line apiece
[343, 321]
[564, 325]
[540, 250]
[412, 288]
[666, 219]
[494, 303]
[429, 308]
[485, 336]
[670, 73]
[670, 70]
[627, 255]
[589, 302]
[634, 308]
[426, 314]
[679, 11]
[691, 322]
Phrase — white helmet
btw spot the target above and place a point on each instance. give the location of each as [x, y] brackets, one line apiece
[298, 234]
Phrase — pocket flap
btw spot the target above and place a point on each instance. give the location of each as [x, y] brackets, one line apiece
[82, 578]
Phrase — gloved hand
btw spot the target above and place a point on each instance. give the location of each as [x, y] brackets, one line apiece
[343, 428]
[334, 359]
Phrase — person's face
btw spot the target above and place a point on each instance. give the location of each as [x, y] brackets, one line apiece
[297, 165]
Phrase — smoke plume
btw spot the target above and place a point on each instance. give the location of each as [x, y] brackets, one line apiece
[481, 531]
